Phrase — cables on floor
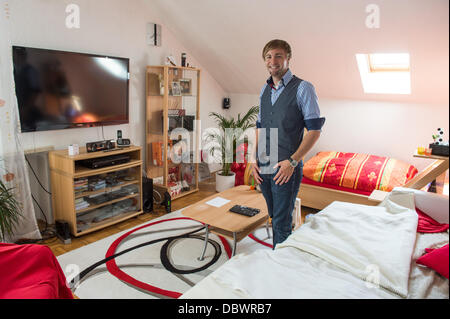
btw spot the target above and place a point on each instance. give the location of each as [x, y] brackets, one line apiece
[164, 255]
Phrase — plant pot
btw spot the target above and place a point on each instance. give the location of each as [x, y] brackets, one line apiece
[224, 182]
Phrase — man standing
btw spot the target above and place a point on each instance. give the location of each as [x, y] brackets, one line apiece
[288, 105]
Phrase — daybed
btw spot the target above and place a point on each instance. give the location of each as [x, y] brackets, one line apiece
[348, 251]
[359, 178]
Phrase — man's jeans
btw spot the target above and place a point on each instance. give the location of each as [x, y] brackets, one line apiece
[280, 201]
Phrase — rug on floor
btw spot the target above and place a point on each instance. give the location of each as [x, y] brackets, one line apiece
[158, 259]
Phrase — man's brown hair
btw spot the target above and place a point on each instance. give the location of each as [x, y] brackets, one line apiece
[277, 44]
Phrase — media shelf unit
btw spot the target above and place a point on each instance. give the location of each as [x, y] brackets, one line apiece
[92, 199]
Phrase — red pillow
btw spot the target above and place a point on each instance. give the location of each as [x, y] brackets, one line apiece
[436, 259]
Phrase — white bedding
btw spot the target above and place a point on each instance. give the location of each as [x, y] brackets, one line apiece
[424, 282]
[373, 243]
[282, 274]
[345, 251]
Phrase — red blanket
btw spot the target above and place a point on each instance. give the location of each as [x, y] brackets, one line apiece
[31, 272]
[426, 224]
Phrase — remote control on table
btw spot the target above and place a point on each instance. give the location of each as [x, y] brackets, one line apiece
[244, 210]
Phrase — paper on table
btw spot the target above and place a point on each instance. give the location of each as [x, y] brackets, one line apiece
[217, 201]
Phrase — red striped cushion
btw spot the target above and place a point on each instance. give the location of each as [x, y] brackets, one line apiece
[358, 171]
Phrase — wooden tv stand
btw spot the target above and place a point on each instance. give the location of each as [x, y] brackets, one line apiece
[92, 199]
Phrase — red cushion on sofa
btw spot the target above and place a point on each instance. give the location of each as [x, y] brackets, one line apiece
[436, 259]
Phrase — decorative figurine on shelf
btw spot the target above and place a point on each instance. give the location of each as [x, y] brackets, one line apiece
[439, 137]
[439, 146]
[170, 60]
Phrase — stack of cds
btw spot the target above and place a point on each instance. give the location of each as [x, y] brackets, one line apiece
[98, 199]
[96, 183]
[80, 203]
[113, 181]
[80, 185]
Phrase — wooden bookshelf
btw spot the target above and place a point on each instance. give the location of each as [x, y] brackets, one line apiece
[162, 98]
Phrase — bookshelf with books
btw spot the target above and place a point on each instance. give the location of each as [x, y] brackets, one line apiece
[172, 108]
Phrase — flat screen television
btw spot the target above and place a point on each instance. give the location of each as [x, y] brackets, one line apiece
[59, 90]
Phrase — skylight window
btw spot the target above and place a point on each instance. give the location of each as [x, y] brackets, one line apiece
[385, 73]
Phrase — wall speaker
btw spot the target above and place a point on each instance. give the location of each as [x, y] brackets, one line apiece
[226, 103]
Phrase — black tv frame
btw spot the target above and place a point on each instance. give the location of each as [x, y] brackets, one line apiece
[88, 124]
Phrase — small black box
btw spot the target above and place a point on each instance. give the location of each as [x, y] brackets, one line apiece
[63, 231]
[188, 122]
[147, 194]
[441, 150]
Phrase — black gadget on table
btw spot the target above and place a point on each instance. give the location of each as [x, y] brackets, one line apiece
[244, 210]
[122, 142]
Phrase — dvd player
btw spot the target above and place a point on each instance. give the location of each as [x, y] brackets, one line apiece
[106, 161]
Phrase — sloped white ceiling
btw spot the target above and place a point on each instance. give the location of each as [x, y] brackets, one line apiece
[227, 36]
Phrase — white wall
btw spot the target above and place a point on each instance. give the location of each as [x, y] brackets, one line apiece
[229, 35]
[109, 27]
[379, 128]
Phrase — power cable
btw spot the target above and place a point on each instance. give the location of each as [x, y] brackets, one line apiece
[46, 233]
[31, 167]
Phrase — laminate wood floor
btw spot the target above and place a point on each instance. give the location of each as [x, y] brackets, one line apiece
[206, 188]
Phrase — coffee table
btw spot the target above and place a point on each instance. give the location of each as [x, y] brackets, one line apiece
[220, 221]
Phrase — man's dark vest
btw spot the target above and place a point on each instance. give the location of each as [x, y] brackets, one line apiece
[284, 115]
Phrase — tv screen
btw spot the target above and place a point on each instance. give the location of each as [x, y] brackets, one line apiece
[58, 90]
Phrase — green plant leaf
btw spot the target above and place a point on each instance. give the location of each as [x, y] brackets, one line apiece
[10, 211]
[229, 139]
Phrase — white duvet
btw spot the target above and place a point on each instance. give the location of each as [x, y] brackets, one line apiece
[345, 251]
[376, 248]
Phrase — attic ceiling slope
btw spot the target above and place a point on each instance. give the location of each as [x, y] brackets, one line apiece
[227, 36]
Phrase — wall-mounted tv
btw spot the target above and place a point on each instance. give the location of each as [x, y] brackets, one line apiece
[58, 90]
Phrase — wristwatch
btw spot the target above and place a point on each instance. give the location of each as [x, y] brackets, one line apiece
[293, 162]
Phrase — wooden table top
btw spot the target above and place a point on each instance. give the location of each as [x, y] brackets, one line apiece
[437, 157]
[221, 218]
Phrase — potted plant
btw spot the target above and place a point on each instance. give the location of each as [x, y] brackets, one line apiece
[225, 141]
[10, 211]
